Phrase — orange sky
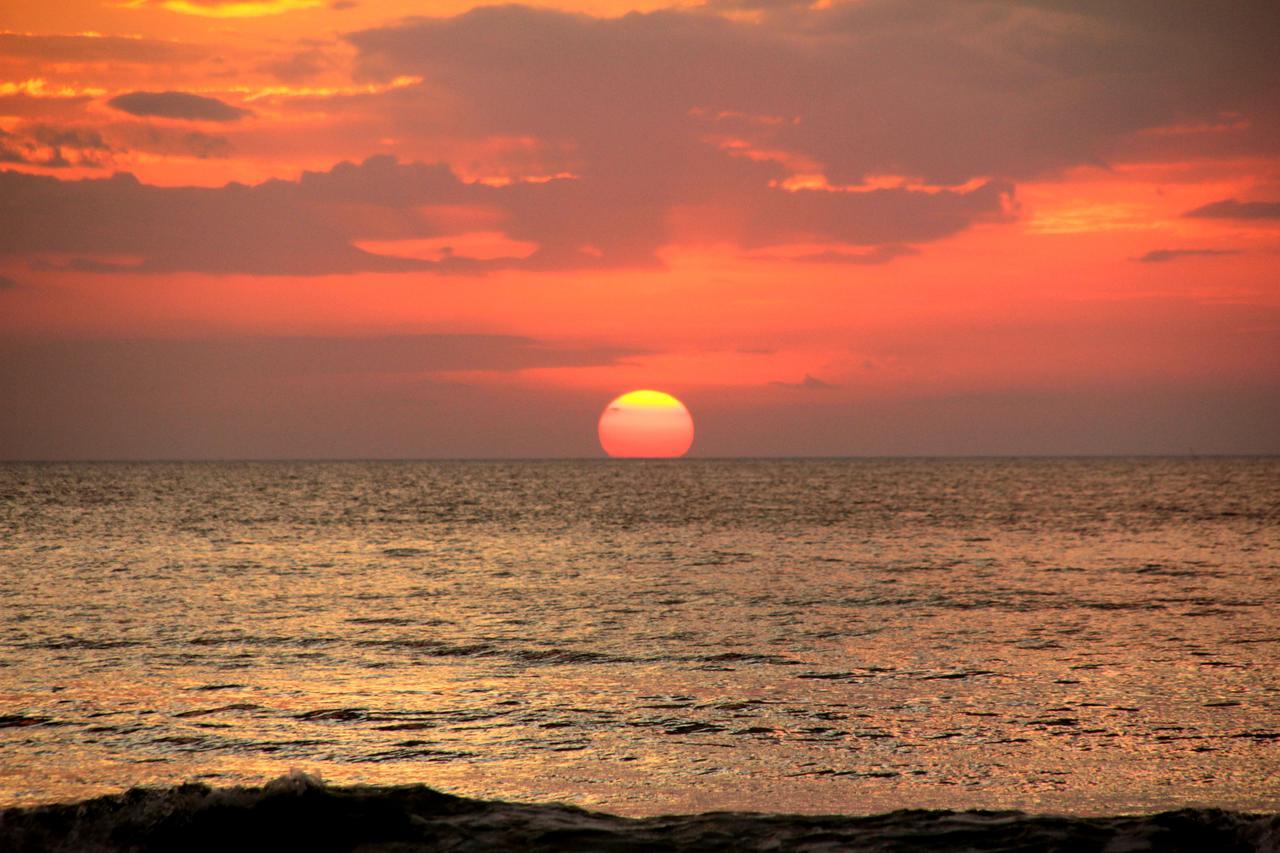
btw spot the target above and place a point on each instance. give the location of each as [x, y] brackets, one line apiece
[271, 228]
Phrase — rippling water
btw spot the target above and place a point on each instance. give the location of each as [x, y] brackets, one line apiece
[1081, 636]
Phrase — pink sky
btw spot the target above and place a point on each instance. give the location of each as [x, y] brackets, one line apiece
[286, 228]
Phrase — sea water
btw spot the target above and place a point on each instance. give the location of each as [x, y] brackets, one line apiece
[1079, 636]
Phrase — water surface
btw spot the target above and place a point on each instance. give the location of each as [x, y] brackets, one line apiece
[1078, 636]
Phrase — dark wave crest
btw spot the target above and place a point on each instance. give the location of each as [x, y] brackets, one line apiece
[297, 812]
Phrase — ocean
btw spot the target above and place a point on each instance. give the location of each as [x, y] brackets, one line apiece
[1066, 636]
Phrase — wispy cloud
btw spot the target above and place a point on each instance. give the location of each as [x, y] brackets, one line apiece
[230, 8]
[1160, 256]
[809, 383]
[1230, 208]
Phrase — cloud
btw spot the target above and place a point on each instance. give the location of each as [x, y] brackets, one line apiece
[7, 283]
[85, 139]
[943, 91]
[1232, 209]
[299, 66]
[1159, 256]
[635, 101]
[287, 397]
[908, 123]
[311, 226]
[141, 136]
[674, 111]
[758, 5]
[178, 105]
[235, 8]
[276, 228]
[27, 106]
[300, 356]
[15, 149]
[871, 257]
[809, 383]
[91, 48]
[53, 147]
[57, 146]
[304, 227]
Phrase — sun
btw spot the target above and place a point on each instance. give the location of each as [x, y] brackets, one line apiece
[646, 425]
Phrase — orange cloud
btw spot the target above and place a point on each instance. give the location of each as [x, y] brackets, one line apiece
[229, 8]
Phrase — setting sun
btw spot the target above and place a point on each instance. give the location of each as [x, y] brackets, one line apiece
[646, 424]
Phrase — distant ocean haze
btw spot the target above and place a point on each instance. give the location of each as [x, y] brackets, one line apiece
[1070, 635]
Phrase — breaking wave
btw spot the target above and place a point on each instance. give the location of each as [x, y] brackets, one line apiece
[298, 811]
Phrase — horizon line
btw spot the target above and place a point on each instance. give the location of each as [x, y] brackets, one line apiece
[161, 460]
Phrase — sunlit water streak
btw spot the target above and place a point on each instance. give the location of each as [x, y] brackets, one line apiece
[1086, 636]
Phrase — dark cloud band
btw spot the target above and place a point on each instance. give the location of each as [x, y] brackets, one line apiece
[176, 105]
[312, 226]
[1232, 209]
